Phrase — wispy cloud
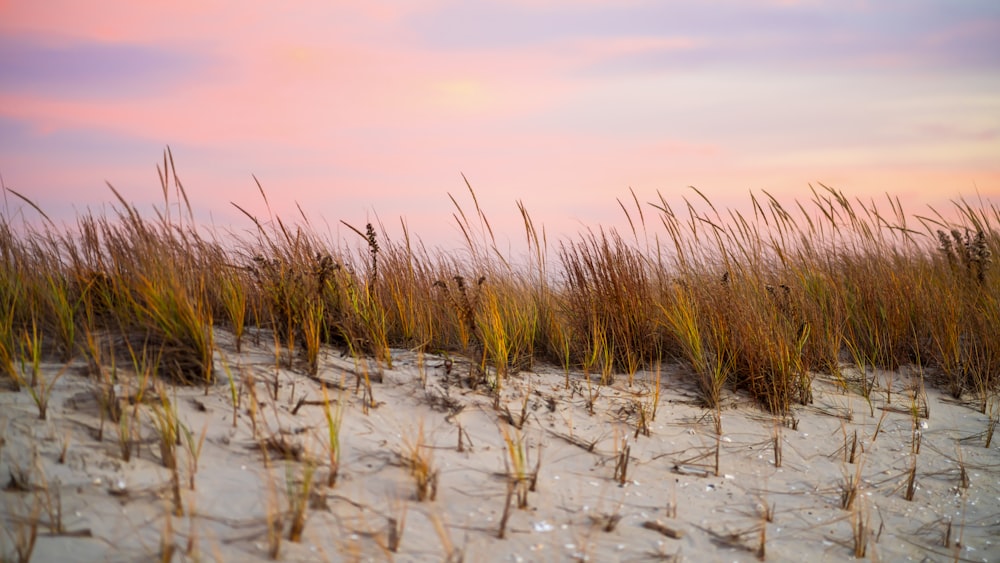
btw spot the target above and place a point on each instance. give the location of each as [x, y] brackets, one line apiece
[922, 34]
[87, 70]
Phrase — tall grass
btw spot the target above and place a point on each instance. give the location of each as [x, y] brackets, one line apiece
[610, 291]
[758, 302]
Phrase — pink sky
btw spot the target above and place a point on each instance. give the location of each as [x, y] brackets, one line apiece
[353, 109]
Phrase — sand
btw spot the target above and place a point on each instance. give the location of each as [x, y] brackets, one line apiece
[670, 505]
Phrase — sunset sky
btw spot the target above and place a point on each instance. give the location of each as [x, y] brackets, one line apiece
[358, 110]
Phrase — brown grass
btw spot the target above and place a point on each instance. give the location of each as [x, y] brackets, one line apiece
[757, 302]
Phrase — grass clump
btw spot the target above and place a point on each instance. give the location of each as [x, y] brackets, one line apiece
[755, 302]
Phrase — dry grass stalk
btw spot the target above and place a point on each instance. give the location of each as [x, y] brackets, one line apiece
[298, 490]
[234, 392]
[851, 486]
[860, 530]
[30, 375]
[463, 436]
[192, 450]
[718, 445]
[48, 495]
[273, 515]
[776, 444]
[761, 551]
[168, 546]
[507, 504]
[963, 475]
[878, 427]
[163, 415]
[518, 421]
[521, 478]
[911, 479]
[334, 418]
[419, 460]
[396, 525]
[24, 532]
[664, 529]
[623, 450]
[452, 554]
[991, 426]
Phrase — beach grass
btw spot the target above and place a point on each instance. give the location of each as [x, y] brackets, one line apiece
[690, 309]
[757, 302]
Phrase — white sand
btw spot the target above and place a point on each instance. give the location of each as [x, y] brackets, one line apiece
[117, 511]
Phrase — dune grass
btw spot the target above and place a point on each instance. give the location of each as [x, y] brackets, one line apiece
[758, 302]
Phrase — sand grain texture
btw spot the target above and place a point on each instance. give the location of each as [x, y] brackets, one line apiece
[669, 505]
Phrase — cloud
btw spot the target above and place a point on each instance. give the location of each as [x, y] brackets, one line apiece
[781, 35]
[88, 70]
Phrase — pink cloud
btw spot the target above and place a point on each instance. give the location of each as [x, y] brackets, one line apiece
[348, 110]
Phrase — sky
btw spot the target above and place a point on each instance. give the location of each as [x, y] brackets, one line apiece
[374, 110]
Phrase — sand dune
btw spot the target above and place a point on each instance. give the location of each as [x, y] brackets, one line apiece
[613, 483]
